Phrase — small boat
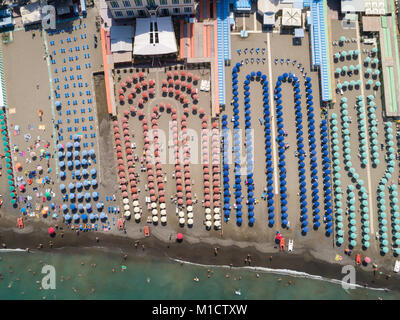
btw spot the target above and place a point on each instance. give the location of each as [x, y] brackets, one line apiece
[196, 279]
[237, 292]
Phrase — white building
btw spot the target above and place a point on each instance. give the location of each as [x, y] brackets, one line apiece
[154, 36]
[369, 7]
[123, 9]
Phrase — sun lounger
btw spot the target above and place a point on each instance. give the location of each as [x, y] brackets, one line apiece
[290, 246]
[397, 266]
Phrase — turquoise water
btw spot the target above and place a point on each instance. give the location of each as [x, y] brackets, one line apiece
[151, 278]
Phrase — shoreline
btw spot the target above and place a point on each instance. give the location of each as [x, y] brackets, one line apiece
[303, 263]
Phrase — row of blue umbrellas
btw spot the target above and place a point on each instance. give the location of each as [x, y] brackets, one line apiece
[281, 148]
[326, 172]
[78, 185]
[73, 207]
[72, 154]
[84, 217]
[268, 155]
[314, 170]
[71, 164]
[225, 171]
[249, 139]
[236, 147]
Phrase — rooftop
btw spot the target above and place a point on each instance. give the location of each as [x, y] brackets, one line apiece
[154, 36]
[121, 38]
[291, 17]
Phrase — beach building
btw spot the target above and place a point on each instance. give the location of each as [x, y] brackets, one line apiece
[6, 20]
[31, 13]
[242, 6]
[291, 17]
[63, 7]
[125, 9]
[121, 43]
[319, 46]
[268, 15]
[154, 36]
[379, 19]
[389, 49]
[369, 7]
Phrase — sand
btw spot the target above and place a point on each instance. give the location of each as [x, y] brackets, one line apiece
[313, 253]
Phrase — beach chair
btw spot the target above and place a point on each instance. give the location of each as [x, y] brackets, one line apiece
[290, 246]
[396, 266]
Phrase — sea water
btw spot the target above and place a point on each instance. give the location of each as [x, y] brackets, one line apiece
[96, 274]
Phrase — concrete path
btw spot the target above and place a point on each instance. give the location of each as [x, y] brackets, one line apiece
[370, 200]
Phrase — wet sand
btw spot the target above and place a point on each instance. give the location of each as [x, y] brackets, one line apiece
[303, 260]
